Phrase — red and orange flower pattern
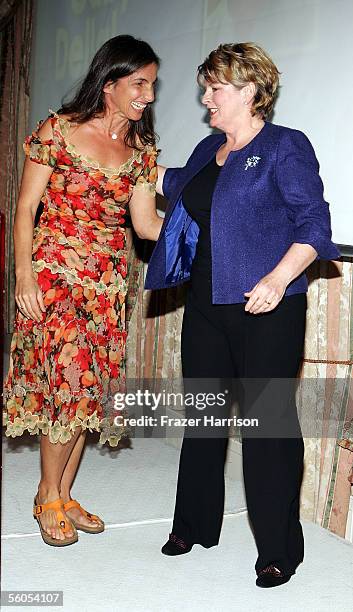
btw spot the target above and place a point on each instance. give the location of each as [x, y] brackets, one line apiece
[64, 369]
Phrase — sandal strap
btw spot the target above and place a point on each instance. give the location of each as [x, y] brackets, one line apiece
[54, 505]
[73, 503]
[57, 506]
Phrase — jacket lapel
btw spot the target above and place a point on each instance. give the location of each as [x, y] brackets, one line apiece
[193, 166]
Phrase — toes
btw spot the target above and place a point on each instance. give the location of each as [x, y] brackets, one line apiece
[70, 532]
[54, 531]
[96, 521]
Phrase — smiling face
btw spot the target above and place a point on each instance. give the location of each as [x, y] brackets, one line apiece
[130, 95]
[226, 104]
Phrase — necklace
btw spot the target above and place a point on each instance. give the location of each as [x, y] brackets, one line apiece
[113, 135]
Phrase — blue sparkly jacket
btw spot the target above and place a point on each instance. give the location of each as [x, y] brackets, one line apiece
[268, 195]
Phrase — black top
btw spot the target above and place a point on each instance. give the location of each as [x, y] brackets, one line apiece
[197, 200]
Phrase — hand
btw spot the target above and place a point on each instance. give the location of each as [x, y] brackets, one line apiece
[266, 294]
[29, 298]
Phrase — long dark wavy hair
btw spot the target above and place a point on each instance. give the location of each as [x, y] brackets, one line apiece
[118, 57]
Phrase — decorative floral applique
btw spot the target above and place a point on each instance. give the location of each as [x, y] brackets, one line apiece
[251, 162]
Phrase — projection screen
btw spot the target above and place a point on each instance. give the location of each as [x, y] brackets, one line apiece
[311, 42]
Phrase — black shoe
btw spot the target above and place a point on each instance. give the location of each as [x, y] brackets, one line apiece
[176, 546]
[271, 576]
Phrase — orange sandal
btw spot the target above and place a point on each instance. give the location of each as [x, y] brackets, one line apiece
[57, 506]
[74, 504]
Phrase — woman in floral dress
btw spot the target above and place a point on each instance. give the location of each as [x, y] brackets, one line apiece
[86, 165]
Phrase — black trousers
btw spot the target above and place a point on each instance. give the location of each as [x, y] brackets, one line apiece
[223, 341]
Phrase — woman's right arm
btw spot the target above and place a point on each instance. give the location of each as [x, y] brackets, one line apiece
[35, 178]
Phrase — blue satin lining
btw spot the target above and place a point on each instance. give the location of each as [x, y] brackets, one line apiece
[180, 240]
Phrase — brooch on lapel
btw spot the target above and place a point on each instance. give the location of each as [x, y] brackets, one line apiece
[251, 162]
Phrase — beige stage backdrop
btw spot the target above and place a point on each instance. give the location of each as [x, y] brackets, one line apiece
[295, 32]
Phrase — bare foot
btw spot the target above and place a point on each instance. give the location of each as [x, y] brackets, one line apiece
[48, 518]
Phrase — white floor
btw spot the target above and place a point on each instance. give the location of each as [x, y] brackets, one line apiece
[123, 570]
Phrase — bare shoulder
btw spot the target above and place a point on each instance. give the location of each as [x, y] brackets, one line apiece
[46, 130]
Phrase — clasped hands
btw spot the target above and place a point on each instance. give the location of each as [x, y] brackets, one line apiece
[266, 294]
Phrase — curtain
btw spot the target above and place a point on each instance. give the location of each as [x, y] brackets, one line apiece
[328, 359]
[15, 46]
[153, 345]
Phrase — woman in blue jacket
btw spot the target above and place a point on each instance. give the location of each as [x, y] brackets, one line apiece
[246, 218]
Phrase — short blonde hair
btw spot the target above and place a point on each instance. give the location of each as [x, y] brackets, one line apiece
[240, 64]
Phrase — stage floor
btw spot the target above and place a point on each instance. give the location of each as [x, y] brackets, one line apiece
[123, 570]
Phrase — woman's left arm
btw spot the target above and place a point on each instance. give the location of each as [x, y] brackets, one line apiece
[145, 220]
[269, 291]
[298, 179]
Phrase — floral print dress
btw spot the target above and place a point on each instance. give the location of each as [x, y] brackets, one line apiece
[64, 370]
